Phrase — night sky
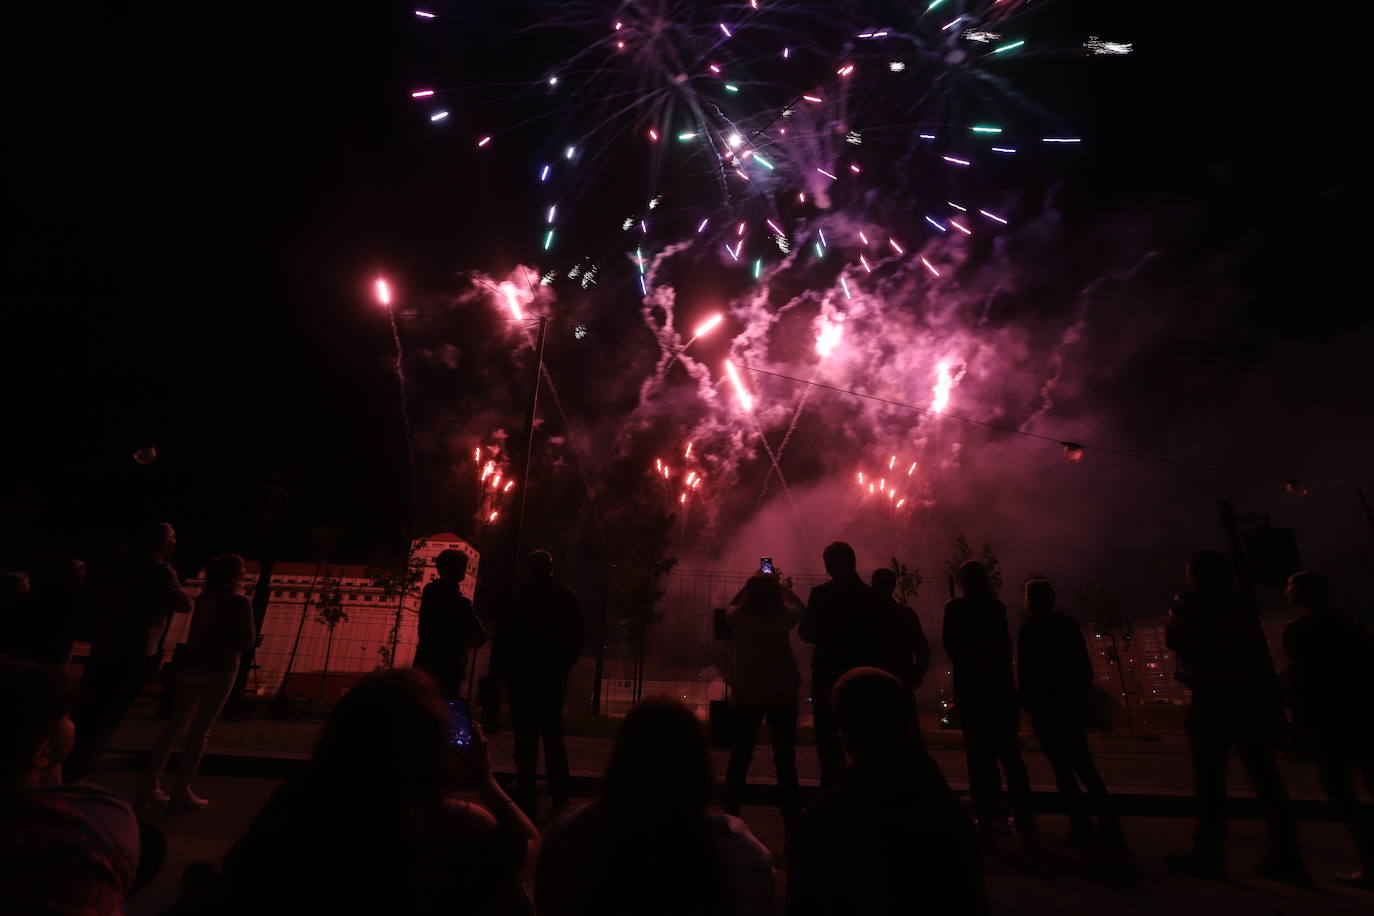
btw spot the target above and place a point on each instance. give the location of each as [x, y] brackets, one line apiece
[202, 195]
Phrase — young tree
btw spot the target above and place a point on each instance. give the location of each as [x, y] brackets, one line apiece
[1105, 614]
[397, 583]
[322, 541]
[639, 586]
[908, 581]
[329, 610]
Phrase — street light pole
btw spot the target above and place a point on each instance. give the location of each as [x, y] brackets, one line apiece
[491, 706]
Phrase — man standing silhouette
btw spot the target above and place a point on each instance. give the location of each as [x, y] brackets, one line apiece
[1332, 660]
[135, 609]
[448, 626]
[1224, 659]
[978, 643]
[1055, 673]
[537, 643]
[905, 650]
[843, 621]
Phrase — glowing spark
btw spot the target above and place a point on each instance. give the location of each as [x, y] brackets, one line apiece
[911, 469]
[741, 174]
[512, 300]
[984, 37]
[854, 168]
[744, 399]
[551, 209]
[619, 26]
[568, 153]
[930, 267]
[643, 287]
[863, 237]
[763, 162]
[864, 262]
[383, 292]
[422, 93]
[895, 247]
[1061, 140]
[954, 160]
[703, 225]
[993, 216]
[544, 173]
[986, 130]
[801, 196]
[957, 225]
[653, 135]
[891, 461]
[685, 137]
[845, 287]
[812, 98]
[739, 230]
[682, 499]
[827, 174]
[1014, 44]
[820, 251]
[477, 455]
[688, 453]
[705, 328]
[492, 517]
[882, 484]
[730, 251]
[714, 68]
[870, 488]
[733, 141]
[952, 23]
[826, 340]
[845, 70]
[438, 116]
[937, 224]
[943, 384]
[896, 66]
[891, 493]
[786, 52]
[854, 138]
[696, 483]
[548, 240]
[496, 481]
[553, 81]
[774, 226]
[901, 502]
[1095, 45]
[486, 471]
[758, 267]
[957, 207]
[425, 14]
[1003, 149]
[821, 233]
[731, 87]
[506, 488]
[725, 30]
[639, 261]
[861, 477]
[934, 4]
[483, 142]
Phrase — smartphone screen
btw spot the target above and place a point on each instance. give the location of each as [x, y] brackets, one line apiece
[766, 565]
[460, 723]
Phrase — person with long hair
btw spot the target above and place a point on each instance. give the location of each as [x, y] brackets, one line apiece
[222, 629]
[374, 823]
[649, 844]
[764, 680]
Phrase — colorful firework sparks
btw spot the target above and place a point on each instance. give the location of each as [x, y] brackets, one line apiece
[750, 126]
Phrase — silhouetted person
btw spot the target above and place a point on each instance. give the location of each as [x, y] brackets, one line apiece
[140, 594]
[1224, 659]
[222, 629]
[537, 643]
[905, 650]
[1332, 660]
[449, 627]
[890, 838]
[978, 643]
[649, 843]
[63, 848]
[764, 681]
[1055, 674]
[374, 824]
[56, 609]
[843, 620]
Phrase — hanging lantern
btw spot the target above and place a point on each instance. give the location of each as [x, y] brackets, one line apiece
[146, 455]
[1295, 488]
[1073, 452]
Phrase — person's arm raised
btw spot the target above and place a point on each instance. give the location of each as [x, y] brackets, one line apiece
[510, 820]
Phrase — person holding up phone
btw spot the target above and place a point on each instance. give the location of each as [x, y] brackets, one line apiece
[379, 820]
[764, 678]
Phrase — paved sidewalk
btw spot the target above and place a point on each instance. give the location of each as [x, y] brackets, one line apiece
[1058, 882]
[1159, 768]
